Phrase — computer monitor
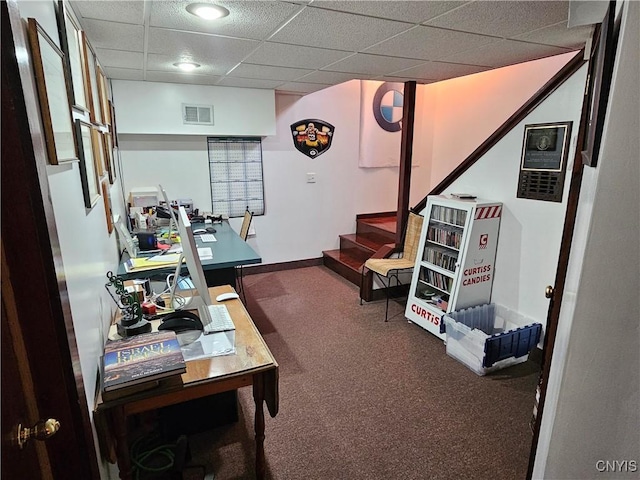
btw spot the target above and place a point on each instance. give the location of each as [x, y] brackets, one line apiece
[173, 221]
[190, 252]
[126, 238]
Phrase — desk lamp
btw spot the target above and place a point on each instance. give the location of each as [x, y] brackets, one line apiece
[131, 321]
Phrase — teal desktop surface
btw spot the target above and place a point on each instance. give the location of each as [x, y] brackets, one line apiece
[229, 251]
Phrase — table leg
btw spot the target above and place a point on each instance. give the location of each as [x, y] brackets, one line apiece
[258, 397]
[122, 447]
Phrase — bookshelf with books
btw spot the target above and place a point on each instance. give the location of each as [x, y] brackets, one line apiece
[456, 258]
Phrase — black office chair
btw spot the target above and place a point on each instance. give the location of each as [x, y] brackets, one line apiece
[244, 233]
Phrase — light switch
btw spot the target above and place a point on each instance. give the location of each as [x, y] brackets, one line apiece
[311, 178]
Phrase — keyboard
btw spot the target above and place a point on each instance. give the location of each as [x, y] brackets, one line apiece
[208, 237]
[220, 320]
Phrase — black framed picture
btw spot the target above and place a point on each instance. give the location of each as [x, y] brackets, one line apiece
[543, 163]
[600, 73]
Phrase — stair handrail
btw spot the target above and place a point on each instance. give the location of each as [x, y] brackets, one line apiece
[547, 89]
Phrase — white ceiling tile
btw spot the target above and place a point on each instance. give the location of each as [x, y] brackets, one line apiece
[435, 71]
[153, 76]
[331, 78]
[131, 11]
[406, 11]
[220, 52]
[114, 36]
[119, 58]
[373, 64]
[301, 87]
[247, 19]
[324, 41]
[559, 35]
[506, 18]
[285, 55]
[506, 52]
[341, 31]
[429, 43]
[123, 73]
[249, 83]
[267, 72]
[165, 63]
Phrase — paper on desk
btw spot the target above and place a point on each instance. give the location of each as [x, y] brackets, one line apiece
[205, 253]
[166, 258]
[212, 345]
[139, 264]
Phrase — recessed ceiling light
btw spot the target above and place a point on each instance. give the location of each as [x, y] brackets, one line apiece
[187, 66]
[207, 11]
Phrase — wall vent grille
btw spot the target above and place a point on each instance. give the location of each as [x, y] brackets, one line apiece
[197, 114]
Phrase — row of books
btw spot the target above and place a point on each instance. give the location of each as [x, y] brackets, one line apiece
[441, 257]
[436, 279]
[445, 236]
[135, 364]
[449, 215]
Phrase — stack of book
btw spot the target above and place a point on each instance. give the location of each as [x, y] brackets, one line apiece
[138, 363]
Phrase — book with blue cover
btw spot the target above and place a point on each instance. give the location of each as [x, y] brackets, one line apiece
[144, 358]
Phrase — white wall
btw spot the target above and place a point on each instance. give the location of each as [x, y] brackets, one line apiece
[88, 251]
[178, 162]
[592, 408]
[314, 215]
[156, 108]
[530, 230]
[469, 109]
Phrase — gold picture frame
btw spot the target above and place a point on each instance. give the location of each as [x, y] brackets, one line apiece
[55, 108]
[98, 151]
[103, 90]
[106, 197]
[108, 156]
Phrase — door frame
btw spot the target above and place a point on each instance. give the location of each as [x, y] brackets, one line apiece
[601, 62]
[32, 268]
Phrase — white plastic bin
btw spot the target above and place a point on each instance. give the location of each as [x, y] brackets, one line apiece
[490, 337]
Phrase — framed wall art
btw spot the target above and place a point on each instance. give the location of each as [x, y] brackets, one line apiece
[70, 39]
[55, 109]
[600, 75]
[108, 156]
[91, 80]
[114, 131]
[88, 174]
[103, 90]
[106, 197]
[543, 163]
[97, 142]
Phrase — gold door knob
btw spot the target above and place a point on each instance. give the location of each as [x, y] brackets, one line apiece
[40, 431]
[548, 292]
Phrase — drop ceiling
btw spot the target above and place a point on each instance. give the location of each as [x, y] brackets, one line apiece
[305, 46]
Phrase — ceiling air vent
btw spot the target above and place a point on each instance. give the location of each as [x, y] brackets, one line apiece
[197, 114]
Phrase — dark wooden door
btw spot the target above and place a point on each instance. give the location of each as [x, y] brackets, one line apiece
[41, 375]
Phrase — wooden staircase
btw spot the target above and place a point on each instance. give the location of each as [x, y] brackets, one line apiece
[375, 235]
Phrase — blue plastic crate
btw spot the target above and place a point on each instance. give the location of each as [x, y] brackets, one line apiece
[487, 337]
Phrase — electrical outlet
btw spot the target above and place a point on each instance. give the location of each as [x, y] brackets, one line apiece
[311, 178]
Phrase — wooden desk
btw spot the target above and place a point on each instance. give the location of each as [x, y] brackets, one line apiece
[252, 364]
